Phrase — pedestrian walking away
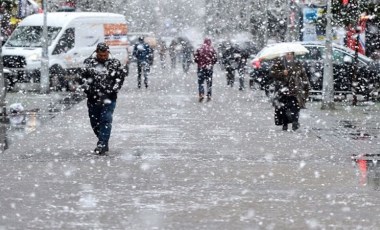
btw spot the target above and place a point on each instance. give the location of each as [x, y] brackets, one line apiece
[173, 53]
[144, 56]
[187, 53]
[101, 79]
[293, 90]
[232, 60]
[206, 58]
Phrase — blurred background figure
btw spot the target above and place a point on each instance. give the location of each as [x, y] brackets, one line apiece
[232, 60]
[173, 53]
[144, 56]
[187, 50]
[162, 49]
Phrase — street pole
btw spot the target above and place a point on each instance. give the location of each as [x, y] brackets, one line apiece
[2, 78]
[328, 77]
[287, 32]
[44, 79]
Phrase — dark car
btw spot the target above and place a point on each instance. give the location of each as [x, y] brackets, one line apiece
[343, 69]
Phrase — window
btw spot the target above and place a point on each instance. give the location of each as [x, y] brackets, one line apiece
[66, 42]
[338, 56]
[315, 53]
[31, 36]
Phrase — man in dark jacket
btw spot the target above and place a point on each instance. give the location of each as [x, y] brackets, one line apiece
[144, 56]
[102, 78]
[206, 58]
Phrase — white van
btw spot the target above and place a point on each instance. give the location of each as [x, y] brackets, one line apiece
[72, 37]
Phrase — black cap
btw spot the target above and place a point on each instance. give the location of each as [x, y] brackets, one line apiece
[102, 46]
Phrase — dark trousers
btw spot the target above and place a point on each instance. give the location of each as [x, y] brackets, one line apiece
[101, 120]
[288, 112]
[205, 75]
[230, 73]
[143, 67]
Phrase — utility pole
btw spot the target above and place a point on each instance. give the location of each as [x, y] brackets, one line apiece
[2, 78]
[44, 79]
[355, 83]
[328, 77]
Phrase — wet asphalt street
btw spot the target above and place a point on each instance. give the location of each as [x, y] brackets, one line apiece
[176, 163]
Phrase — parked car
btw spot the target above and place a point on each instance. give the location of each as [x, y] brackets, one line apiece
[343, 66]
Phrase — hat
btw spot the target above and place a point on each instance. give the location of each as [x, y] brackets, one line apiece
[102, 46]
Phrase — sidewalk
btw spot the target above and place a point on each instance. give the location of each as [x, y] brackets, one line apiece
[175, 163]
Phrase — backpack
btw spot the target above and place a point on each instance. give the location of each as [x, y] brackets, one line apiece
[141, 52]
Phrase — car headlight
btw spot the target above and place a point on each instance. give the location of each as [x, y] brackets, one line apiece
[34, 57]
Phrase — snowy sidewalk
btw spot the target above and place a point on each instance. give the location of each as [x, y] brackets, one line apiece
[175, 163]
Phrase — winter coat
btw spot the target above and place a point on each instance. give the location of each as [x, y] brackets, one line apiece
[206, 55]
[187, 51]
[296, 82]
[232, 58]
[143, 53]
[101, 81]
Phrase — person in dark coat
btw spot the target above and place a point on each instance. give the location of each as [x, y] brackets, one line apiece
[144, 56]
[232, 61]
[173, 53]
[101, 79]
[187, 53]
[293, 90]
[205, 57]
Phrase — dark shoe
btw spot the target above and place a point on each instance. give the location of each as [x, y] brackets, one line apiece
[101, 150]
[295, 126]
[139, 85]
[285, 127]
[208, 98]
[201, 97]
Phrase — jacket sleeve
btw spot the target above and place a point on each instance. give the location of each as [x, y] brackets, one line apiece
[196, 56]
[214, 57]
[134, 52]
[119, 76]
[85, 75]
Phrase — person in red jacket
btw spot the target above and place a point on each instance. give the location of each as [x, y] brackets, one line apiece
[205, 57]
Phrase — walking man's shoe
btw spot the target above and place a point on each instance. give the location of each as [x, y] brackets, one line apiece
[101, 150]
[201, 97]
[208, 98]
[285, 127]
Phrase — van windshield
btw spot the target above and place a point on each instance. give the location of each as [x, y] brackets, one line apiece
[31, 36]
